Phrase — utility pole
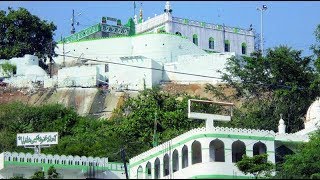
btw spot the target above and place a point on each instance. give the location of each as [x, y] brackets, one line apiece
[123, 156]
[50, 60]
[64, 57]
[73, 30]
[155, 138]
[263, 8]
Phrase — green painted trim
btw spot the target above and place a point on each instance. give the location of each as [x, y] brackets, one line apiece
[205, 136]
[113, 37]
[215, 176]
[236, 30]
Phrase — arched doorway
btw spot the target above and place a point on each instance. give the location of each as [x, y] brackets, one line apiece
[139, 172]
[259, 148]
[166, 165]
[238, 150]
[148, 170]
[216, 151]
[157, 168]
[184, 156]
[196, 152]
[175, 161]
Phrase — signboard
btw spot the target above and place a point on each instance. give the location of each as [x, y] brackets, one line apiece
[111, 19]
[32, 139]
[115, 29]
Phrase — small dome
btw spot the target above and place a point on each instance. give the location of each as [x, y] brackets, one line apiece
[313, 113]
[35, 71]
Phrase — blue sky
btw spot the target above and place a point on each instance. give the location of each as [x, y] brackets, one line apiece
[285, 23]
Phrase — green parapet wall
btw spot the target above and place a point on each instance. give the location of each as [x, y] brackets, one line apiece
[82, 34]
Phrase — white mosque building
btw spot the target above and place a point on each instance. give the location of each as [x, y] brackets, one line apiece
[207, 153]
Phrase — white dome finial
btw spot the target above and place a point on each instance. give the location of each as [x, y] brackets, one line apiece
[282, 126]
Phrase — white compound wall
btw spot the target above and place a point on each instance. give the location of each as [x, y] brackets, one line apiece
[206, 66]
[159, 47]
[133, 78]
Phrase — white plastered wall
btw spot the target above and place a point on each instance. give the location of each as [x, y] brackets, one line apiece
[160, 47]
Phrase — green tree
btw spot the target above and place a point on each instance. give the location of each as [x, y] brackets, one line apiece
[256, 165]
[304, 164]
[38, 175]
[282, 82]
[52, 173]
[17, 177]
[23, 33]
[8, 68]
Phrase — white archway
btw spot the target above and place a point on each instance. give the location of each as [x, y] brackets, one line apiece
[216, 151]
[238, 150]
[196, 152]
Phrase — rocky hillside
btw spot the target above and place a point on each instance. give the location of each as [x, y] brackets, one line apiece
[89, 101]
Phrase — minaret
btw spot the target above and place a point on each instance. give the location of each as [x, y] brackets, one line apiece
[282, 126]
[141, 15]
[135, 19]
[168, 7]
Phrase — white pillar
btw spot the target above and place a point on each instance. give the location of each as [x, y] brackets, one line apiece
[189, 155]
[205, 151]
[249, 149]
[152, 170]
[161, 167]
[180, 158]
[209, 124]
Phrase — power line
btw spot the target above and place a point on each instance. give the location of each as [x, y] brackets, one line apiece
[184, 73]
[141, 67]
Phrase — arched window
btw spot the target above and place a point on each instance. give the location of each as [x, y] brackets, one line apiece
[216, 151]
[166, 165]
[178, 33]
[211, 43]
[226, 46]
[238, 150]
[157, 168]
[244, 48]
[259, 148]
[196, 152]
[195, 39]
[175, 161]
[184, 156]
[139, 172]
[148, 170]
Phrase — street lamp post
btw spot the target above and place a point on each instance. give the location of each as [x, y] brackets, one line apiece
[261, 9]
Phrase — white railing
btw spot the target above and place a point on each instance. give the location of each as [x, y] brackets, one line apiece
[212, 26]
[291, 137]
[55, 159]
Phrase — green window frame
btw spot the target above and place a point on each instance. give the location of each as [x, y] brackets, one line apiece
[211, 43]
[226, 46]
[195, 39]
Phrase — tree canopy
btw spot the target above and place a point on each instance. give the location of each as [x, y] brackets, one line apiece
[256, 165]
[304, 164]
[282, 82]
[132, 125]
[23, 33]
